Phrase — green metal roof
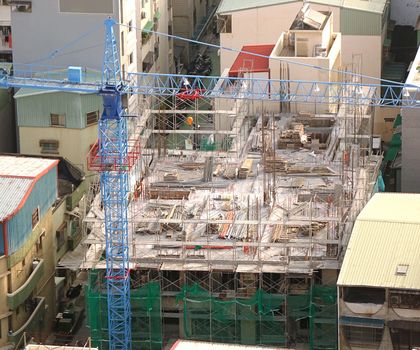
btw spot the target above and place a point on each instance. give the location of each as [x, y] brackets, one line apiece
[376, 6]
[88, 76]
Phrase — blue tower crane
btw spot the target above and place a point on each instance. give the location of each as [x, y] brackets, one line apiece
[115, 158]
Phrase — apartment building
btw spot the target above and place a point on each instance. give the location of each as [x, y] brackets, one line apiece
[191, 20]
[38, 196]
[58, 123]
[29, 190]
[362, 24]
[378, 286]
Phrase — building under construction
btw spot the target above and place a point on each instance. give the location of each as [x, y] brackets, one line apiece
[239, 219]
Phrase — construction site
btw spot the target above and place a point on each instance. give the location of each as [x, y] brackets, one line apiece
[239, 217]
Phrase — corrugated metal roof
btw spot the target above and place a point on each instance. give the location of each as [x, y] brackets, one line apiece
[12, 192]
[24, 166]
[89, 76]
[385, 237]
[227, 6]
[247, 63]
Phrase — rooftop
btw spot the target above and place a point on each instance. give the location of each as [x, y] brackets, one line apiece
[246, 63]
[227, 6]
[17, 176]
[384, 248]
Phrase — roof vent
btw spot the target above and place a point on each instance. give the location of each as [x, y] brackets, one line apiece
[401, 270]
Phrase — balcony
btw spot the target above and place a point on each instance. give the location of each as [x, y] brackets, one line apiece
[23, 292]
[33, 321]
[73, 199]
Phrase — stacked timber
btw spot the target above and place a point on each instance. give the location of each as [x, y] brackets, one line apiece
[274, 164]
[245, 169]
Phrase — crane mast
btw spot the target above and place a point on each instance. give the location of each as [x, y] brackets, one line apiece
[114, 167]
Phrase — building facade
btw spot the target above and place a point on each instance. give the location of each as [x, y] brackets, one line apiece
[29, 191]
[363, 27]
[57, 123]
[378, 286]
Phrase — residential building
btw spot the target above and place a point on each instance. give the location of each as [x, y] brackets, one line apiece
[410, 128]
[40, 222]
[191, 20]
[378, 285]
[78, 35]
[28, 193]
[5, 32]
[58, 123]
[362, 24]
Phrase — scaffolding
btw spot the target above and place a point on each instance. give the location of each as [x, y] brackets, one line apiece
[241, 242]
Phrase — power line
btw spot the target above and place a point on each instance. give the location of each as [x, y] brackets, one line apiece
[177, 37]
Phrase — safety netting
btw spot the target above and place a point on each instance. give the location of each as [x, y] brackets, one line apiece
[146, 319]
[263, 318]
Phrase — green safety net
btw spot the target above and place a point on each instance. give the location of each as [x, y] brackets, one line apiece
[146, 320]
[256, 320]
[263, 319]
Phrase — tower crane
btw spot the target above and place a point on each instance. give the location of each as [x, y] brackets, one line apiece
[115, 157]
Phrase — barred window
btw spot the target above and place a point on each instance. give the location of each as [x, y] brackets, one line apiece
[92, 118]
[49, 146]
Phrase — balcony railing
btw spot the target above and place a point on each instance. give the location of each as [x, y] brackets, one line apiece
[23, 292]
[32, 322]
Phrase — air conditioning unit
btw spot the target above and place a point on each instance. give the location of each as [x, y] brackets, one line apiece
[320, 51]
[143, 14]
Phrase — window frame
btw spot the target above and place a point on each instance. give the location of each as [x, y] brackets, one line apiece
[38, 214]
[49, 146]
[61, 119]
[91, 114]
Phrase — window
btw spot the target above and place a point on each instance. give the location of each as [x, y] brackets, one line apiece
[21, 6]
[131, 58]
[49, 146]
[130, 26]
[225, 24]
[363, 336]
[35, 217]
[60, 235]
[92, 118]
[58, 119]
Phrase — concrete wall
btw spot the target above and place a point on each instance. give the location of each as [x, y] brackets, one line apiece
[405, 12]
[73, 143]
[31, 30]
[371, 49]
[4, 310]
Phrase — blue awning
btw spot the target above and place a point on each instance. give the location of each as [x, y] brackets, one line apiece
[362, 321]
